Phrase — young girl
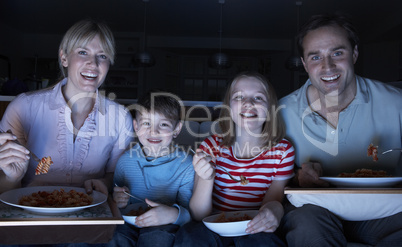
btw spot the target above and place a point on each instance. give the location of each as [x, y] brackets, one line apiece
[251, 145]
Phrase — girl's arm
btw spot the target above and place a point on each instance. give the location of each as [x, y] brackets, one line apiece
[271, 210]
[201, 200]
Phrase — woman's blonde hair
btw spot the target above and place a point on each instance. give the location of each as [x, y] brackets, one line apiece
[81, 33]
[273, 130]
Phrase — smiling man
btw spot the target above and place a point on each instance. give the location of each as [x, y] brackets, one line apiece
[331, 120]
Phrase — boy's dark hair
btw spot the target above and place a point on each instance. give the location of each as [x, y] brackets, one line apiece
[165, 103]
[318, 21]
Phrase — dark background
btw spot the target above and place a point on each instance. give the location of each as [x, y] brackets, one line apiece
[183, 34]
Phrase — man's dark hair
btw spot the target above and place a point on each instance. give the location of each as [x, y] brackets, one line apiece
[162, 102]
[318, 21]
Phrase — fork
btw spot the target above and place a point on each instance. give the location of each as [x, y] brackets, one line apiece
[224, 169]
[141, 200]
[16, 141]
[390, 150]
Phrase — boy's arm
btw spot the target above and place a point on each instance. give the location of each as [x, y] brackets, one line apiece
[183, 196]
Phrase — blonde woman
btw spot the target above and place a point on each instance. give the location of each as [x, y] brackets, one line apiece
[80, 129]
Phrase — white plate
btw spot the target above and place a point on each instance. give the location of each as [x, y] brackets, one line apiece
[359, 182]
[12, 197]
[229, 229]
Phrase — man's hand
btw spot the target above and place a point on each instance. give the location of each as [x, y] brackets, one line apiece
[309, 175]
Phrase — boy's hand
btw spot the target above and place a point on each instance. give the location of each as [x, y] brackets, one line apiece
[159, 214]
[202, 167]
[120, 197]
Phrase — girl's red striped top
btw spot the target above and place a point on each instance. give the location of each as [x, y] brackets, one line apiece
[269, 165]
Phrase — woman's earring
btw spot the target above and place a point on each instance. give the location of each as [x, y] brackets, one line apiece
[174, 134]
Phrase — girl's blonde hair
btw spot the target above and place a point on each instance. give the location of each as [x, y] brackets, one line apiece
[273, 130]
[81, 33]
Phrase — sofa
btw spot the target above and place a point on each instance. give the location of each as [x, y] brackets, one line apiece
[194, 132]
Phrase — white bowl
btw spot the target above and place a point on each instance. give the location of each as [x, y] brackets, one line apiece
[229, 229]
[131, 219]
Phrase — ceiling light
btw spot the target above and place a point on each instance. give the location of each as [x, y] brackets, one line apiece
[144, 58]
[294, 62]
[220, 60]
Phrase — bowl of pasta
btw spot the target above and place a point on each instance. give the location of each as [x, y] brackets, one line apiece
[52, 200]
[230, 224]
[131, 211]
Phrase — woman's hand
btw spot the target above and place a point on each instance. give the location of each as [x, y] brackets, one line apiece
[120, 197]
[159, 214]
[267, 219]
[202, 167]
[13, 157]
[96, 184]
[309, 175]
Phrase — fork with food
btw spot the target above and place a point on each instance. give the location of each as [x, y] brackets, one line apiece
[373, 151]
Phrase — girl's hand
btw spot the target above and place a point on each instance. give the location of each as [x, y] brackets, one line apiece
[159, 214]
[267, 219]
[202, 167]
[13, 157]
[120, 197]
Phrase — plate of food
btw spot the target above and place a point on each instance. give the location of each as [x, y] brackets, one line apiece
[131, 212]
[52, 200]
[363, 182]
[364, 178]
[230, 224]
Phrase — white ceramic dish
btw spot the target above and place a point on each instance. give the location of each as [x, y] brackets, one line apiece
[12, 197]
[229, 229]
[360, 182]
[131, 219]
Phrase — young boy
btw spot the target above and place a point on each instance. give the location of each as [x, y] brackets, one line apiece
[156, 172]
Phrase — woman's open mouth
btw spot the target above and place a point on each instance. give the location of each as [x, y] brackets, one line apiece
[89, 76]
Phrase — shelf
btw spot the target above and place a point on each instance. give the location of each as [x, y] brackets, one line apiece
[124, 69]
[127, 53]
[120, 86]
